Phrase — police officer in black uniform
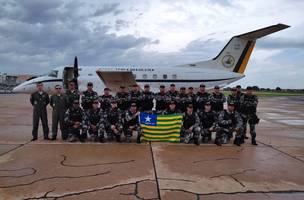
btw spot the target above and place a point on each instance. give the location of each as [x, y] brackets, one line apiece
[249, 103]
[88, 97]
[76, 121]
[201, 98]
[217, 100]
[162, 100]
[131, 123]
[208, 122]
[59, 103]
[229, 121]
[39, 101]
[192, 97]
[95, 121]
[147, 99]
[172, 109]
[122, 97]
[191, 126]
[72, 93]
[105, 99]
[113, 121]
[233, 98]
[184, 99]
[173, 93]
[135, 96]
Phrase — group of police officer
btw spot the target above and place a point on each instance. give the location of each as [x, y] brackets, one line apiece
[108, 117]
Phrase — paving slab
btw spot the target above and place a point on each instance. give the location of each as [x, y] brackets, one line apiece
[78, 171]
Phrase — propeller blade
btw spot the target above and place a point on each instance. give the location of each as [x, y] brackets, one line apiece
[76, 74]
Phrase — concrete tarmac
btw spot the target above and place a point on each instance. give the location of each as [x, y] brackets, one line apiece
[60, 170]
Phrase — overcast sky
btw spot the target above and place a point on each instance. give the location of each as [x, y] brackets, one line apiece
[38, 35]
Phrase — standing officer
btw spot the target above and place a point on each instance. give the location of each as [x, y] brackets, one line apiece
[72, 94]
[233, 98]
[208, 121]
[191, 126]
[184, 99]
[202, 97]
[113, 121]
[172, 109]
[59, 103]
[39, 101]
[88, 97]
[135, 96]
[122, 97]
[95, 120]
[172, 93]
[147, 99]
[161, 100]
[76, 120]
[192, 97]
[229, 121]
[105, 99]
[217, 100]
[249, 103]
[131, 123]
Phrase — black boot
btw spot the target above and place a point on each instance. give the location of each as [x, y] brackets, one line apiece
[138, 140]
[253, 142]
[196, 141]
[242, 139]
[237, 141]
[217, 142]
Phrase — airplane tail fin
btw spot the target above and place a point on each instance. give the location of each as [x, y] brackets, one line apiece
[235, 55]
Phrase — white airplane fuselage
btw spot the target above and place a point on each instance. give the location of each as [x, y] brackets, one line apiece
[154, 76]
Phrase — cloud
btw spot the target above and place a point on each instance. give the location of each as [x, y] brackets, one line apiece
[108, 8]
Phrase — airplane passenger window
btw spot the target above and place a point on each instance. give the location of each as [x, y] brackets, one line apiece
[174, 76]
[53, 73]
[154, 76]
[145, 76]
[165, 76]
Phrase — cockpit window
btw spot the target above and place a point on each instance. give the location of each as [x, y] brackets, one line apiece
[53, 73]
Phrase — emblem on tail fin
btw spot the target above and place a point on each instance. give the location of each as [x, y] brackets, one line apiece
[228, 61]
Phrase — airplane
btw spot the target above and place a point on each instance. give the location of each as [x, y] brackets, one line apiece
[227, 67]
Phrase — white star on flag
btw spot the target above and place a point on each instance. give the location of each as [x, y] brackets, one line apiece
[148, 119]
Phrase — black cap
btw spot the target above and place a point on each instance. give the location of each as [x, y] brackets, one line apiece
[202, 85]
[216, 87]
[182, 88]
[135, 85]
[231, 104]
[190, 88]
[190, 105]
[122, 86]
[238, 86]
[133, 104]
[90, 84]
[162, 86]
[172, 102]
[107, 89]
[147, 86]
[75, 101]
[249, 88]
[172, 85]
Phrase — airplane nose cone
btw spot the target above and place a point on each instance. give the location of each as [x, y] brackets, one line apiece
[17, 89]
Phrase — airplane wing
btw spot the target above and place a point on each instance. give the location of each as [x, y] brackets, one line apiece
[114, 80]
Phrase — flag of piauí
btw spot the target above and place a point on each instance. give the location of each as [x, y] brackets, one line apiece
[164, 128]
